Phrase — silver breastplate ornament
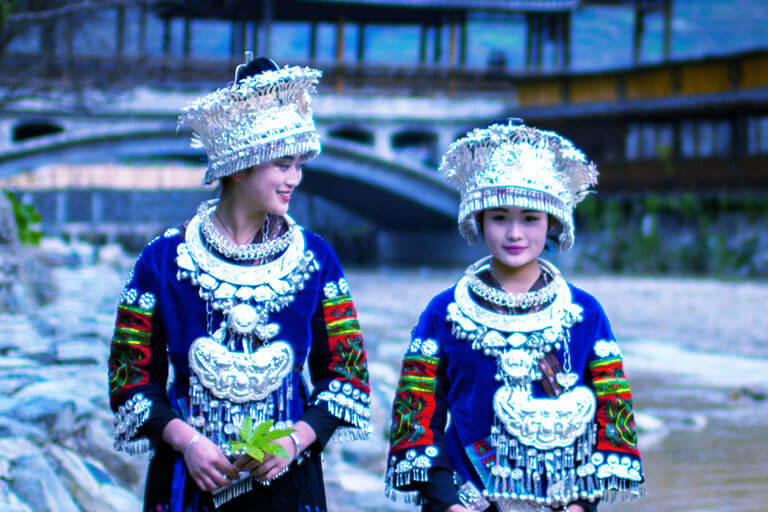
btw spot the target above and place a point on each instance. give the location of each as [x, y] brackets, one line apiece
[542, 445]
[241, 369]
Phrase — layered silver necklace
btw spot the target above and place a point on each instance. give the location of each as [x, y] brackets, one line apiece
[500, 297]
[543, 445]
[248, 252]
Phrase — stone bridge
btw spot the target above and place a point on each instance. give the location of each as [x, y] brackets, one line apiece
[379, 156]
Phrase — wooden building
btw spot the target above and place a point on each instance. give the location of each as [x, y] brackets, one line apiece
[697, 124]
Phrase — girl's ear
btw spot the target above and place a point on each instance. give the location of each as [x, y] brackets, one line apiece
[238, 176]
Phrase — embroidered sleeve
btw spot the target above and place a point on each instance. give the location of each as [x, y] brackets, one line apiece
[138, 366]
[616, 458]
[418, 418]
[337, 360]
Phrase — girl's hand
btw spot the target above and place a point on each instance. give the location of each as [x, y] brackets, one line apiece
[575, 508]
[208, 467]
[457, 508]
[272, 465]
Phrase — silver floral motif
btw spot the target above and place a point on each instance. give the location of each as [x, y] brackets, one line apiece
[331, 290]
[147, 301]
[128, 296]
[607, 348]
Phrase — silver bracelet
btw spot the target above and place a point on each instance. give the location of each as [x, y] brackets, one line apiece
[195, 438]
[295, 438]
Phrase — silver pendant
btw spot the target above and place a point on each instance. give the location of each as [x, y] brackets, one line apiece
[238, 376]
[545, 423]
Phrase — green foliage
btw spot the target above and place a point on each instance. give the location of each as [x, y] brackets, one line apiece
[6, 7]
[257, 442]
[719, 235]
[26, 218]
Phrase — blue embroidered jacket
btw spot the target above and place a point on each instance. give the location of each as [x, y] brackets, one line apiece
[162, 311]
[443, 414]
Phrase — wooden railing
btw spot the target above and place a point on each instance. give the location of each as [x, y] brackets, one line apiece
[740, 71]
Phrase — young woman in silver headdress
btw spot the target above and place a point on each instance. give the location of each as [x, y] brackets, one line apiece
[237, 302]
[523, 363]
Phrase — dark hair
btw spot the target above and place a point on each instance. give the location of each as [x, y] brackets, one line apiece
[255, 67]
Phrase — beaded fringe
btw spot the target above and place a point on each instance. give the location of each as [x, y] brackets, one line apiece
[620, 490]
[406, 497]
[127, 420]
[220, 420]
[362, 421]
[233, 490]
[347, 434]
[565, 470]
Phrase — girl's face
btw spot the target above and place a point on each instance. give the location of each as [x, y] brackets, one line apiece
[515, 237]
[270, 185]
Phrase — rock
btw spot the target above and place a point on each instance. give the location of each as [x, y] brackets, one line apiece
[33, 480]
[10, 427]
[18, 334]
[85, 351]
[16, 375]
[9, 501]
[111, 253]
[11, 448]
[748, 393]
[97, 442]
[55, 414]
[90, 484]
[75, 391]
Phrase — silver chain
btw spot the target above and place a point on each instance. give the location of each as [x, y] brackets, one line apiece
[248, 252]
[567, 351]
[503, 298]
[209, 316]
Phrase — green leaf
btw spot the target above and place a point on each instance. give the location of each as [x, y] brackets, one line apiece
[246, 430]
[257, 441]
[264, 427]
[255, 452]
[237, 445]
[277, 434]
[275, 449]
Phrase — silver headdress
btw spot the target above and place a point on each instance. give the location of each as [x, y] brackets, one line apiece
[517, 165]
[259, 118]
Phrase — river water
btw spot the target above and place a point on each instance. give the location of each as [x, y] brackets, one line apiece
[695, 351]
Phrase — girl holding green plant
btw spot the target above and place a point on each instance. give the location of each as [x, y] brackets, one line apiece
[236, 303]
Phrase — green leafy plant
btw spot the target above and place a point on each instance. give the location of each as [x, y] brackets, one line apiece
[26, 218]
[258, 441]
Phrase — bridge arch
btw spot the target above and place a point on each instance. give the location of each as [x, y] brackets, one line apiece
[392, 194]
[352, 133]
[419, 144]
[33, 128]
